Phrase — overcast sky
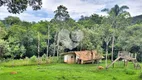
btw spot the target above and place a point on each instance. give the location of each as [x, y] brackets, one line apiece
[76, 8]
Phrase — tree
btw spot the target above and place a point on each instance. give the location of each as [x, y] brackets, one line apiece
[131, 40]
[11, 20]
[61, 13]
[18, 6]
[23, 36]
[90, 21]
[42, 29]
[115, 14]
[17, 50]
[107, 35]
[4, 48]
[3, 32]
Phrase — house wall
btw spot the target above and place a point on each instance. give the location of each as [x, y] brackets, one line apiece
[69, 58]
[65, 58]
[77, 57]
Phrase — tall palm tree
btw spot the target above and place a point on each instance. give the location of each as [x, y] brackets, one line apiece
[114, 14]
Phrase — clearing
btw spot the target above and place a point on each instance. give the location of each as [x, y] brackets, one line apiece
[61, 71]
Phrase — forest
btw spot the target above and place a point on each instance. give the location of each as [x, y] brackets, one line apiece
[57, 49]
[117, 31]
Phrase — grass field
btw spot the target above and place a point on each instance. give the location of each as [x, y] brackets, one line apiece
[61, 71]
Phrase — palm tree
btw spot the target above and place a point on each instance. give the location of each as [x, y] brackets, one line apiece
[114, 14]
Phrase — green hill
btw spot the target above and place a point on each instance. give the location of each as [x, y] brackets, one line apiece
[137, 19]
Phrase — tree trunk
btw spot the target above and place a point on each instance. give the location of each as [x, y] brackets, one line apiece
[1, 52]
[112, 48]
[81, 46]
[106, 52]
[58, 47]
[55, 38]
[48, 43]
[38, 44]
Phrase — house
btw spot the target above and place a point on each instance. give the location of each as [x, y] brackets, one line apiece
[81, 57]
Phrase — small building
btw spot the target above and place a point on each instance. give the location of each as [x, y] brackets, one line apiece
[81, 57]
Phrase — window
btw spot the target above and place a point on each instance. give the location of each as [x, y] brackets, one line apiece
[71, 56]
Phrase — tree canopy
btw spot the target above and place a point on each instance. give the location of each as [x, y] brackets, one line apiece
[20, 39]
[18, 6]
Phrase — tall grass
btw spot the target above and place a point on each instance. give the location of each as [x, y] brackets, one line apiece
[29, 61]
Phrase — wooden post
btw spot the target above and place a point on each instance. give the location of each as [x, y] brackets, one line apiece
[106, 53]
[129, 54]
[113, 62]
[92, 56]
[135, 56]
[124, 63]
[81, 61]
[92, 61]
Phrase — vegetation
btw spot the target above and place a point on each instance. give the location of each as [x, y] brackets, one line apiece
[106, 34]
[18, 6]
[19, 39]
[60, 71]
[140, 76]
[26, 44]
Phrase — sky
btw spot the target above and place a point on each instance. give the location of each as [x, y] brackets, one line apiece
[76, 8]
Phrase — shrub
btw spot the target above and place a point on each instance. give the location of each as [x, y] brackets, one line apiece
[39, 60]
[33, 58]
[140, 76]
[48, 60]
[26, 59]
[44, 57]
[54, 59]
[129, 72]
[114, 78]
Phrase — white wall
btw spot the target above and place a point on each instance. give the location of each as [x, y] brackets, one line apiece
[65, 58]
[68, 57]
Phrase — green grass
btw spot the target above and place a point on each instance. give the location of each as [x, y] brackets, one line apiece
[27, 62]
[61, 71]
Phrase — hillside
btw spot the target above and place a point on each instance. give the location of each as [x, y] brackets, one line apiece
[137, 19]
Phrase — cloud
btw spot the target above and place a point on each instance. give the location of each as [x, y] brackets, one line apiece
[134, 6]
[28, 15]
[76, 8]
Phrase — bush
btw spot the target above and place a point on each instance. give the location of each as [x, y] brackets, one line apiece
[44, 57]
[48, 61]
[39, 60]
[140, 75]
[129, 72]
[33, 58]
[26, 59]
[114, 78]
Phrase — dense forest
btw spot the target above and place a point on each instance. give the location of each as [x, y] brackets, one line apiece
[109, 34]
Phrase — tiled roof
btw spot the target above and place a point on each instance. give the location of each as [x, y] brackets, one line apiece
[88, 55]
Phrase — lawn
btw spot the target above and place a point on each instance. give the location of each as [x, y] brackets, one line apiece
[61, 71]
